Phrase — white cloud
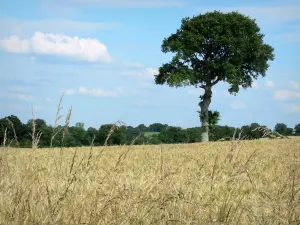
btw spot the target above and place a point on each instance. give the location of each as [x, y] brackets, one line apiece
[147, 73]
[18, 88]
[195, 91]
[255, 85]
[286, 95]
[269, 84]
[38, 108]
[126, 3]
[267, 15]
[295, 108]
[56, 44]
[293, 35]
[98, 92]
[15, 44]
[48, 100]
[266, 84]
[19, 96]
[68, 92]
[237, 105]
[295, 85]
[132, 64]
[19, 27]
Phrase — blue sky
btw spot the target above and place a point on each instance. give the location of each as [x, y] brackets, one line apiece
[112, 77]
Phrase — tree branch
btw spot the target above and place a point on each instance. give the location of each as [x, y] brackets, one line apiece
[216, 81]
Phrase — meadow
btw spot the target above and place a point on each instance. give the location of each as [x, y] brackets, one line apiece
[235, 182]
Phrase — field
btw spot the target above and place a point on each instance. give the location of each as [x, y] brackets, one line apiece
[150, 134]
[247, 182]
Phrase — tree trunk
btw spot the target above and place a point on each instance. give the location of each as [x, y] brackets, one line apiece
[204, 105]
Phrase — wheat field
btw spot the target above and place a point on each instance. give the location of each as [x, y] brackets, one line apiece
[239, 182]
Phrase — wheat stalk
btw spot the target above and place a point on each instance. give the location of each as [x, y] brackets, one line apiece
[14, 131]
[5, 137]
[58, 117]
[35, 136]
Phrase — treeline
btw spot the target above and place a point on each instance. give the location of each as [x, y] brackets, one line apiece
[14, 132]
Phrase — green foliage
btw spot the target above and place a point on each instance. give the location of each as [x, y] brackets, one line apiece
[118, 137]
[150, 134]
[172, 135]
[78, 136]
[297, 130]
[157, 127]
[215, 47]
[282, 129]
[193, 134]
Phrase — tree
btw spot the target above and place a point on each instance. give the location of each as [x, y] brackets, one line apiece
[78, 133]
[142, 128]
[280, 128]
[157, 127]
[215, 47]
[90, 134]
[172, 135]
[118, 137]
[289, 131]
[297, 130]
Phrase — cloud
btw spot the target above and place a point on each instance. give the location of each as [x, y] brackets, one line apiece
[237, 105]
[18, 88]
[15, 45]
[266, 84]
[293, 35]
[124, 3]
[146, 73]
[48, 100]
[267, 15]
[295, 108]
[269, 84]
[38, 108]
[132, 64]
[255, 85]
[19, 96]
[286, 95]
[68, 92]
[18, 26]
[60, 45]
[98, 92]
[294, 84]
[195, 91]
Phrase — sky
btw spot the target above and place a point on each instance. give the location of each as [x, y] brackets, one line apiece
[112, 77]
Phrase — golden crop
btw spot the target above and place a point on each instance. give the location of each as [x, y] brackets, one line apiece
[240, 182]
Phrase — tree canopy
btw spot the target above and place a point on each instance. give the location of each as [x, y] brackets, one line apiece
[215, 47]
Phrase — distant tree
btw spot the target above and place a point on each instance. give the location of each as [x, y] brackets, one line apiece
[14, 124]
[78, 133]
[131, 134]
[157, 127]
[172, 135]
[90, 134]
[211, 48]
[142, 128]
[254, 132]
[281, 128]
[40, 126]
[79, 125]
[289, 131]
[297, 130]
[118, 137]
[193, 134]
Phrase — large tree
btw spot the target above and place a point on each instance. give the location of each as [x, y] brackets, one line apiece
[215, 47]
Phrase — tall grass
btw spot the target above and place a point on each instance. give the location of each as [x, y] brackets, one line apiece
[237, 182]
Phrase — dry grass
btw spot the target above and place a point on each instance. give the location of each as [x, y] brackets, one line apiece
[252, 182]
